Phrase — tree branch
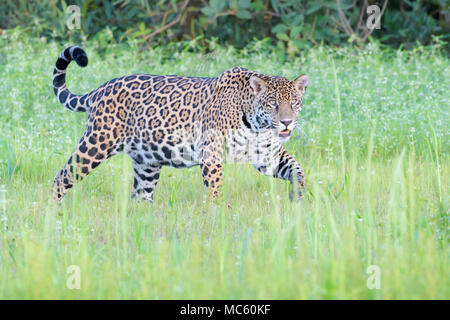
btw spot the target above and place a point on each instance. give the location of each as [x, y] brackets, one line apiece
[173, 22]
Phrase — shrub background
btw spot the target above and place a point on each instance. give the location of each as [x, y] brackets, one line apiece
[290, 24]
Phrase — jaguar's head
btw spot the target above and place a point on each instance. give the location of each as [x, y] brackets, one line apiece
[277, 103]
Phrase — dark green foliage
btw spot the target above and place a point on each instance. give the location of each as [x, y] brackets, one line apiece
[291, 24]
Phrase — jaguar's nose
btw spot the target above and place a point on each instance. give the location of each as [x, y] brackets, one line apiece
[286, 122]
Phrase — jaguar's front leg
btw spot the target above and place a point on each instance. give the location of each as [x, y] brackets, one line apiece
[212, 165]
[290, 169]
[285, 167]
[212, 177]
[145, 180]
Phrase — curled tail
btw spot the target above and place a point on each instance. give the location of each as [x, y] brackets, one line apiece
[69, 100]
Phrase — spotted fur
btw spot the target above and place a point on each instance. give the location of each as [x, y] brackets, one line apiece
[240, 116]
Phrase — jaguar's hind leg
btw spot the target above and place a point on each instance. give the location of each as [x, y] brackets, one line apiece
[145, 180]
[91, 151]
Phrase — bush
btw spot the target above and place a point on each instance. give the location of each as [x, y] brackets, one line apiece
[291, 24]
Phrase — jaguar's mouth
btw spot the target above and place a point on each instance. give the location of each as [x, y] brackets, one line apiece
[284, 133]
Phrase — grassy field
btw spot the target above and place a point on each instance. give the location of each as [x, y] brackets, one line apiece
[373, 139]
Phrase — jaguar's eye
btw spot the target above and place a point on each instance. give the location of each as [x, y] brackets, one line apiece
[297, 104]
[273, 105]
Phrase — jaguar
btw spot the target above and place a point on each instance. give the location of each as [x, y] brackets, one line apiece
[182, 121]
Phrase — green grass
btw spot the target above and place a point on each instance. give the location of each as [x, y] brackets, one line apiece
[373, 140]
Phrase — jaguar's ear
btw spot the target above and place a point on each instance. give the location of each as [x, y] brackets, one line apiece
[258, 85]
[301, 83]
